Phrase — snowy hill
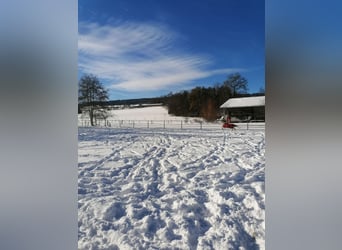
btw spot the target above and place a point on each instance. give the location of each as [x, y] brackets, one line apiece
[141, 113]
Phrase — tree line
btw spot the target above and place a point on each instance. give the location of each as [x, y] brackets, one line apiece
[198, 102]
[205, 102]
[202, 102]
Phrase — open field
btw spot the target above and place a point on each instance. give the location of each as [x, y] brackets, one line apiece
[171, 189]
[157, 117]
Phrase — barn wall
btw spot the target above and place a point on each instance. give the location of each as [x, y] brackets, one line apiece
[246, 114]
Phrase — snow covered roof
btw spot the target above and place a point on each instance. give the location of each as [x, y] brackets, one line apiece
[244, 102]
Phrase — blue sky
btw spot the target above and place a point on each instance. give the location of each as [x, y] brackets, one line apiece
[152, 47]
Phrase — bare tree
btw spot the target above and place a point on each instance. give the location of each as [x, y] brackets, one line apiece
[236, 83]
[91, 94]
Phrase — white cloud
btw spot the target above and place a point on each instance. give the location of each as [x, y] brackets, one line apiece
[139, 57]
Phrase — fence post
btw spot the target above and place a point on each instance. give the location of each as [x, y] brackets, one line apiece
[201, 124]
[181, 124]
[247, 125]
[133, 124]
[164, 124]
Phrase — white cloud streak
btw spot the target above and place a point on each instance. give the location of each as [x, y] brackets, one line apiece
[139, 57]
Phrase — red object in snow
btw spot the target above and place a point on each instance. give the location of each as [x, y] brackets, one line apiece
[227, 124]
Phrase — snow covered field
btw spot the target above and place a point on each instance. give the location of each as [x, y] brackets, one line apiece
[171, 189]
[144, 113]
[156, 117]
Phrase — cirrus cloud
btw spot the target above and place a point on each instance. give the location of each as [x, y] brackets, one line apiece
[139, 57]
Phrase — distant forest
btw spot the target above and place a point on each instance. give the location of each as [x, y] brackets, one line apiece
[202, 102]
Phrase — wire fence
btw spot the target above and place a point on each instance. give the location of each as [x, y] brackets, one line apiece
[167, 124]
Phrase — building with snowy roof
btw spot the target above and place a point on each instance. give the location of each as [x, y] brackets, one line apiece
[245, 109]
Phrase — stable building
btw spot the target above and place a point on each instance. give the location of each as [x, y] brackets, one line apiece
[245, 109]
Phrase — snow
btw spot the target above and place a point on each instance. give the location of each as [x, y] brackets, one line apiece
[157, 117]
[253, 101]
[142, 113]
[171, 188]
